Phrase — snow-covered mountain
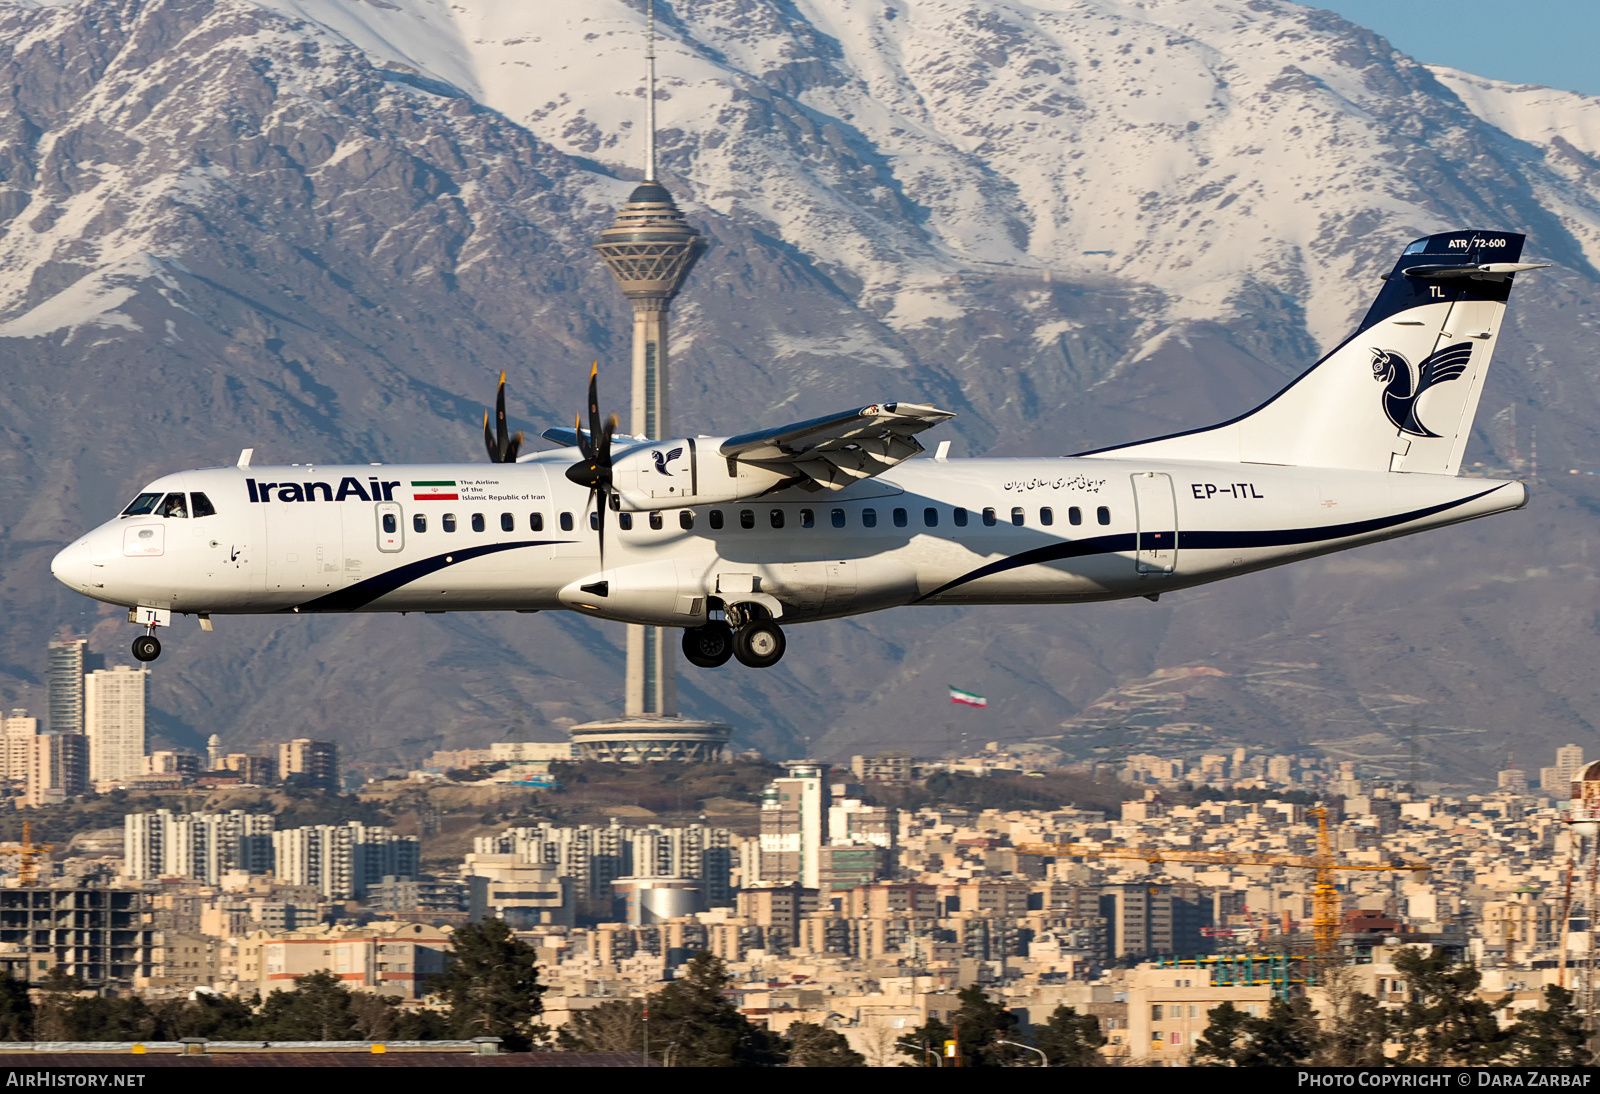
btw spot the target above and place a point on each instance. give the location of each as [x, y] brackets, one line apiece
[319, 228]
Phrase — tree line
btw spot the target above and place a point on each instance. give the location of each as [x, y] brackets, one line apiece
[1443, 1023]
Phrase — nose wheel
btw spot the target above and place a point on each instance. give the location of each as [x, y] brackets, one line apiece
[146, 648]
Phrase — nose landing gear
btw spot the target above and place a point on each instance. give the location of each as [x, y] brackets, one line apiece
[147, 647]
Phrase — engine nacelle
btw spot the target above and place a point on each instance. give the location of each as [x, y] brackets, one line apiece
[687, 471]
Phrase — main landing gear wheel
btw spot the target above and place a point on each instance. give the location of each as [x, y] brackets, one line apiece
[146, 648]
[759, 645]
[708, 646]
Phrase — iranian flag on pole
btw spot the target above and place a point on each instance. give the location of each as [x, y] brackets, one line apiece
[967, 698]
[434, 491]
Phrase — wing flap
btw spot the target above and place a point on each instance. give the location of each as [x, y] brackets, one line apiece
[839, 449]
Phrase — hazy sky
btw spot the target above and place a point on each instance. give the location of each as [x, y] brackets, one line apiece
[1551, 42]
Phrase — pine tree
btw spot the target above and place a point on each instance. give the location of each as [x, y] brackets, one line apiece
[16, 1009]
[1225, 1039]
[1445, 1024]
[1287, 1036]
[318, 1008]
[1552, 1036]
[616, 1025]
[692, 1024]
[492, 986]
[1070, 1039]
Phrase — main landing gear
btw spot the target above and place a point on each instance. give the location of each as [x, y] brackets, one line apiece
[746, 632]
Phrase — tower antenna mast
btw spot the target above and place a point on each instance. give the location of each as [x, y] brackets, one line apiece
[650, 97]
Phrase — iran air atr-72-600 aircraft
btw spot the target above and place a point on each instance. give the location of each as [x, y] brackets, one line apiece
[731, 538]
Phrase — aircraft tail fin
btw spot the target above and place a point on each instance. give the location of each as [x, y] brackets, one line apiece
[1397, 395]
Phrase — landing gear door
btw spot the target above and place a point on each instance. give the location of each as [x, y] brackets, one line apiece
[1157, 511]
[391, 527]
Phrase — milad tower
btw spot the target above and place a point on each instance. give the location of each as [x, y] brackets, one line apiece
[650, 250]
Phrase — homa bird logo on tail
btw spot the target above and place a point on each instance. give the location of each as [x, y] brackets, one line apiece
[664, 458]
[1400, 393]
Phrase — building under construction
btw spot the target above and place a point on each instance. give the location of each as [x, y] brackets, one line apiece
[101, 936]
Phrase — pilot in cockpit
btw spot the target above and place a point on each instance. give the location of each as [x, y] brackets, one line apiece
[174, 506]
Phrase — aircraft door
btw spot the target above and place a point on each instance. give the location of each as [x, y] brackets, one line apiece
[1156, 508]
[391, 527]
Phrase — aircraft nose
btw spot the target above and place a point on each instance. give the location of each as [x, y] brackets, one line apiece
[71, 566]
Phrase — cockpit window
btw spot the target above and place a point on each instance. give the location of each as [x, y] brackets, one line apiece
[139, 506]
[174, 506]
[202, 505]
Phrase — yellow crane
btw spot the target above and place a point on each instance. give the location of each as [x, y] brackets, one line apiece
[28, 855]
[1325, 901]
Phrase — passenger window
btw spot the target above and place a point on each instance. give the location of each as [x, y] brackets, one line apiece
[808, 518]
[1047, 516]
[448, 522]
[625, 521]
[655, 520]
[959, 517]
[175, 506]
[988, 518]
[899, 518]
[747, 518]
[1074, 515]
[837, 517]
[1017, 516]
[536, 522]
[508, 523]
[419, 523]
[715, 519]
[202, 505]
[869, 518]
[685, 519]
[776, 517]
[566, 522]
[477, 522]
[390, 525]
[1103, 515]
[594, 521]
[930, 517]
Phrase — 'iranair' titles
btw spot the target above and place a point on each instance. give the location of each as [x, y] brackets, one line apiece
[348, 488]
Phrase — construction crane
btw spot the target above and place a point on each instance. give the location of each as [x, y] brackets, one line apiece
[28, 855]
[1325, 902]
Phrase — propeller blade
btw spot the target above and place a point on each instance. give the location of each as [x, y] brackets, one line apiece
[513, 447]
[488, 438]
[594, 400]
[501, 443]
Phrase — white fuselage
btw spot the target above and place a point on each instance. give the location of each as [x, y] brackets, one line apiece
[379, 538]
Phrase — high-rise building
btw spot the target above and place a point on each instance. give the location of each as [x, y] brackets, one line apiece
[1145, 920]
[17, 731]
[263, 770]
[213, 752]
[114, 705]
[794, 826]
[316, 763]
[1513, 780]
[64, 672]
[1569, 761]
[59, 768]
[202, 846]
[343, 861]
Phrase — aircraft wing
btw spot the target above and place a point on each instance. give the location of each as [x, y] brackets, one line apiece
[834, 451]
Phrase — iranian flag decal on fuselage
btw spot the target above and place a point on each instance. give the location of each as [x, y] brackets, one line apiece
[434, 491]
